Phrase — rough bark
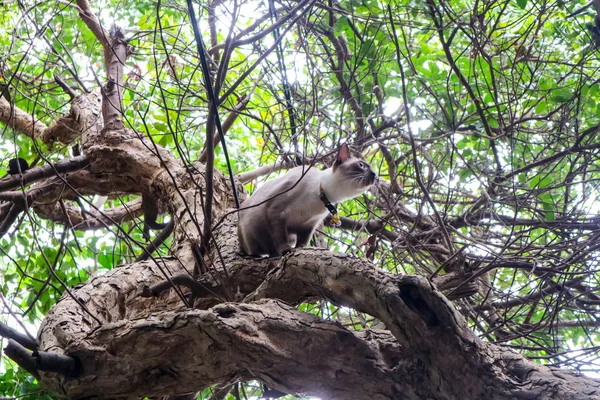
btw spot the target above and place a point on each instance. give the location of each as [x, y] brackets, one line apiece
[83, 116]
[267, 340]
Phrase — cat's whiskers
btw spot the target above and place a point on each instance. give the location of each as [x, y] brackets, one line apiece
[350, 179]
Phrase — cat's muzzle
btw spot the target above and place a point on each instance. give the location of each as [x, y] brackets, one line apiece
[372, 178]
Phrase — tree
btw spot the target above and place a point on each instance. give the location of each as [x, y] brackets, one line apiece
[471, 272]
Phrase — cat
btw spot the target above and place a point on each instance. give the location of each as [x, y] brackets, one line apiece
[283, 213]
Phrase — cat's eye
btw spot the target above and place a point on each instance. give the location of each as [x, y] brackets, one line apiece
[361, 164]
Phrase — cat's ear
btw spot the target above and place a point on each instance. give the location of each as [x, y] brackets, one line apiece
[343, 155]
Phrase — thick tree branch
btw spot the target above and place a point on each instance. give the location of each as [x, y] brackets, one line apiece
[415, 312]
[46, 171]
[83, 116]
[280, 339]
[87, 15]
[19, 120]
[22, 357]
[92, 219]
[23, 340]
[269, 333]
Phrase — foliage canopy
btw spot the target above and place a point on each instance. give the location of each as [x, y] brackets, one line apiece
[482, 118]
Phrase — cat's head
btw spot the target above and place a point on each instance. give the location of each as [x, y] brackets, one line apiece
[351, 176]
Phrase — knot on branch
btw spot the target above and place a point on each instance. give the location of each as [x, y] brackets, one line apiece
[225, 310]
[411, 296]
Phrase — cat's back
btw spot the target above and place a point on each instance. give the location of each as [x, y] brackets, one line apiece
[292, 185]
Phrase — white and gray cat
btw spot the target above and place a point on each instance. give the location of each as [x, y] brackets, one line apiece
[283, 213]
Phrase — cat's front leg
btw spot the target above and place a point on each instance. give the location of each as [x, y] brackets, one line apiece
[303, 236]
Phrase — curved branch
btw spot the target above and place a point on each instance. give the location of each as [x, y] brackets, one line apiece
[215, 345]
[267, 333]
[87, 15]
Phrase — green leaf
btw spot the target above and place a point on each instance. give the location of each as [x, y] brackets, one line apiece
[541, 108]
[463, 174]
[562, 95]
[539, 183]
[342, 25]
[548, 206]
[522, 3]
[545, 83]
[462, 143]
[105, 260]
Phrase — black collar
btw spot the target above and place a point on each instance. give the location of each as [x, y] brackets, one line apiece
[335, 219]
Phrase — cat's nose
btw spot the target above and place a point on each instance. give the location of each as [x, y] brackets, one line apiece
[372, 178]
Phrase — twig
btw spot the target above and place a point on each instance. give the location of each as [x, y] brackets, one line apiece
[441, 223]
[12, 215]
[265, 54]
[580, 10]
[158, 240]
[22, 357]
[24, 340]
[233, 115]
[246, 177]
[68, 90]
[213, 120]
[284, 79]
